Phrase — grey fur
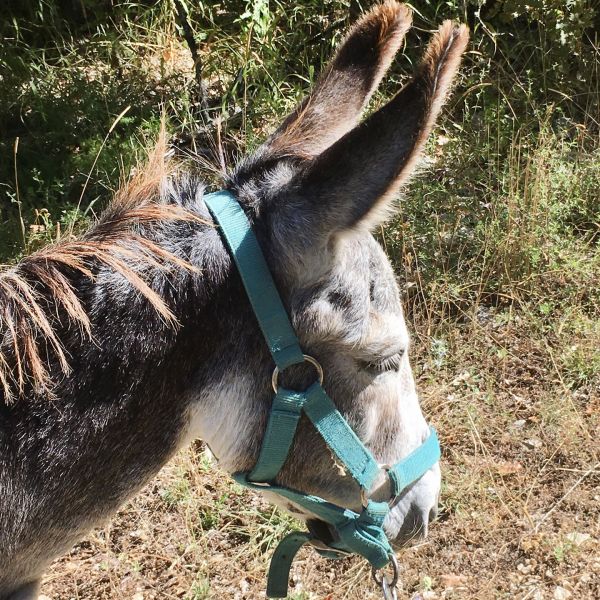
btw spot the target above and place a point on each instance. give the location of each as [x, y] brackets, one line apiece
[143, 388]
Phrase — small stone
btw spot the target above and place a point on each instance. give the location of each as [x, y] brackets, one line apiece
[533, 443]
[578, 538]
[462, 377]
[560, 593]
[137, 534]
[525, 569]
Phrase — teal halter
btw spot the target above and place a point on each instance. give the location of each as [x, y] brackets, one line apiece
[360, 533]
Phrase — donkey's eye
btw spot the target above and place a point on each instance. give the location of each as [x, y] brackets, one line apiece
[390, 363]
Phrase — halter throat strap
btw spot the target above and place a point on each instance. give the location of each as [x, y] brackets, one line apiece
[360, 533]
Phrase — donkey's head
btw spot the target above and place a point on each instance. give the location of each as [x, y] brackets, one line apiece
[315, 190]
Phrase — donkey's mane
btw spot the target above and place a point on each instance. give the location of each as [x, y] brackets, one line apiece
[35, 294]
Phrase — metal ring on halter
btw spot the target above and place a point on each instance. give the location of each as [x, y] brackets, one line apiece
[364, 496]
[390, 584]
[389, 593]
[308, 359]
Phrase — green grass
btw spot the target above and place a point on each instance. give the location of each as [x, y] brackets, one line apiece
[200, 590]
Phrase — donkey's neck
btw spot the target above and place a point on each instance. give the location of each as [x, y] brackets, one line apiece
[210, 364]
[137, 391]
[229, 417]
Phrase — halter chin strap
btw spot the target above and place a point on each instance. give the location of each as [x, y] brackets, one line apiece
[357, 533]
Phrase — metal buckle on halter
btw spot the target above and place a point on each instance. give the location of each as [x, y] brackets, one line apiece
[309, 359]
[364, 494]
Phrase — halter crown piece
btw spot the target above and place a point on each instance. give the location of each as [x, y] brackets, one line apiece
[356, 533]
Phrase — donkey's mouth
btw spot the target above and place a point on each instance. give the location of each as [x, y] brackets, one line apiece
[321, 531]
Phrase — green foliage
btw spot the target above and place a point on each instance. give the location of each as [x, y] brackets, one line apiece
[580, 359]
[500, 232]
[508, 211]
[62, 88]
[563, 21]
[178, 493]
[200, 590]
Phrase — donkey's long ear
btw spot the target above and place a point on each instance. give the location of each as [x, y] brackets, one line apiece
[355, 180]
[343, 89]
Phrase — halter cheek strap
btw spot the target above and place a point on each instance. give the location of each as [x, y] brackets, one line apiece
[357, 533]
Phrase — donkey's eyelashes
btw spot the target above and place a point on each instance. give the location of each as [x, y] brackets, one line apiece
[382, 365]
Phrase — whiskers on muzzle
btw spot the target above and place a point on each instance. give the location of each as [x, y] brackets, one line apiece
[415, 526]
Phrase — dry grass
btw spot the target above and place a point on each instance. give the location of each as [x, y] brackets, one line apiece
[519, 514]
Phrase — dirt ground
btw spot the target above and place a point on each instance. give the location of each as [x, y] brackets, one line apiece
[520, 506]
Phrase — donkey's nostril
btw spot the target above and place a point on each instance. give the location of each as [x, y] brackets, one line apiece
[433, 513]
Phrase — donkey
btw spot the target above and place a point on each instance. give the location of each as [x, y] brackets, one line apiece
[121, 346]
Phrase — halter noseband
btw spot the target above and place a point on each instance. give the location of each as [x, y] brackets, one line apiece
[357, 533]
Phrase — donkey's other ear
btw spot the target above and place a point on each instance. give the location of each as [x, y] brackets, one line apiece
[343, 89]
[354, 181]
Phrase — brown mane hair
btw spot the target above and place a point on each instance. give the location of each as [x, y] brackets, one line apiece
[114, 241]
